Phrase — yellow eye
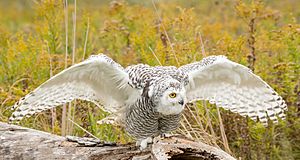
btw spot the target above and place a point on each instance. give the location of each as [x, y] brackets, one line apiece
[172, 95]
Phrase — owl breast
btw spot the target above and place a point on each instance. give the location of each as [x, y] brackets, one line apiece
[143, 121]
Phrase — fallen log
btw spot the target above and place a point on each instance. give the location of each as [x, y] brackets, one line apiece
[23, 143]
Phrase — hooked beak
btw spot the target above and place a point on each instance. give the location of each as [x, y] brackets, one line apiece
[181, 102]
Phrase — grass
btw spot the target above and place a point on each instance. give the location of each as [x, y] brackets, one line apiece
[38, 39]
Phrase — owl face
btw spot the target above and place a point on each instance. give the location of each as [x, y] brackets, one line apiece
[172, 100]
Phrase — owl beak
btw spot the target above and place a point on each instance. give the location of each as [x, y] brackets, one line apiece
[181, 102]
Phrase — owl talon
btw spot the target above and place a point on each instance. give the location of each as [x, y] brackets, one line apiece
[143, 143]
[165, 135]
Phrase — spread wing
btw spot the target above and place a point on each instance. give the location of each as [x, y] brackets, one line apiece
[98, 79]
[234, 87]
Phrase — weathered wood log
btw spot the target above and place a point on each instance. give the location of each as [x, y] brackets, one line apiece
[23, 143]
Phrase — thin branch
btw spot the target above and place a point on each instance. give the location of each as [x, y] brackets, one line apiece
[53, 110]
[74, 33]
[195, 117]
[189, 124]
[86, 38]
[66, 30]
[223, 135]
[70, 126]
[64, 110]
[202, 45]
[89, 133]
[186, 130]
[160, 19]
[212, 132]
[50, 60]
[155, 55]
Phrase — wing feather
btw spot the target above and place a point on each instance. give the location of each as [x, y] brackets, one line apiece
[98, 79]
[234, 87]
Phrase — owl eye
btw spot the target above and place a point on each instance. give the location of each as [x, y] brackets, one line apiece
[172, 95]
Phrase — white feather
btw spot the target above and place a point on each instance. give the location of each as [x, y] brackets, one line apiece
[98, 79]
[234, 87]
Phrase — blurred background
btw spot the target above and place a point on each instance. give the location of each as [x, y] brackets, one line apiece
[39, 38]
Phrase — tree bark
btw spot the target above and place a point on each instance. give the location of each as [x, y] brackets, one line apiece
[23, 143]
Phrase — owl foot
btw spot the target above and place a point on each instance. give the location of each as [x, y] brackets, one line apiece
[165, 135]
[143, 143]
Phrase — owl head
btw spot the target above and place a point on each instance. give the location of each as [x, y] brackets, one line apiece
[169, 95]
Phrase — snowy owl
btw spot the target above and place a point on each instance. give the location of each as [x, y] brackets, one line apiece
[148, 101]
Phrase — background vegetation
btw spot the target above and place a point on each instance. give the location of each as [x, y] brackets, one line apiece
[39, 38]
